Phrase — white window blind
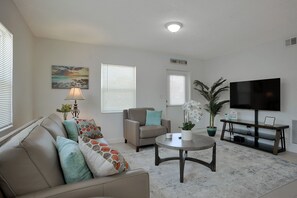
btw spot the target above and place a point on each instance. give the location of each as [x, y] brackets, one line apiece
[118, 88]
[6, 54]
[177, 87]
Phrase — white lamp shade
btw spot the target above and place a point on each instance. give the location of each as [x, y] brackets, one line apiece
[75, 94]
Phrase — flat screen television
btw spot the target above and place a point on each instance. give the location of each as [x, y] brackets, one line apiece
[256, 94]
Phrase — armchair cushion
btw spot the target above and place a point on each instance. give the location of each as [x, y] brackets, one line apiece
[153, 118]
[151, 131]
[138, 114]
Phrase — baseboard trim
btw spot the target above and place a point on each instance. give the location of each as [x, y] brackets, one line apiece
[116, 140]
[292, 148]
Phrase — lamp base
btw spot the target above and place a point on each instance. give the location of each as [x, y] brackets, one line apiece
[75, 112]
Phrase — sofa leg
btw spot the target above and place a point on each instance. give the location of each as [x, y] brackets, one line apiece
[137, 148]
[126, 141]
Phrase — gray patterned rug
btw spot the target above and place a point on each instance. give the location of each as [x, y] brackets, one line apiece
[241, 172]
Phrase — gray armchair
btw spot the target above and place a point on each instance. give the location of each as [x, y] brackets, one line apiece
[135, 130]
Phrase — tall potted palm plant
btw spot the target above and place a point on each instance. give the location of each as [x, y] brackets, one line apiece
[212, 95]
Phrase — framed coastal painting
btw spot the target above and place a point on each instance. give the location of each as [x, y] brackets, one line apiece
[65, 77]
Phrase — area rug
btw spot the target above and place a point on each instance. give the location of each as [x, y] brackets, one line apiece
[240, 172]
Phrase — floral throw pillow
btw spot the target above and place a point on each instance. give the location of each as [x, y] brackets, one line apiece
[101, 158]
[88, 128]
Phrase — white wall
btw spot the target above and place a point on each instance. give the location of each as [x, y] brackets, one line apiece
[271, 60]
[151, 79]
[22, 62]
[33, 95]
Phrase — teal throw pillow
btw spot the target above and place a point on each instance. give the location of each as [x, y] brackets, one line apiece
[71, 129]
[72, 161]
[153, 118]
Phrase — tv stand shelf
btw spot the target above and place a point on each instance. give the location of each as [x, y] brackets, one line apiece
[251, 138]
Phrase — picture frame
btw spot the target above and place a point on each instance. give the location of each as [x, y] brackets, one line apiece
[65, 77]
[233, 115]
[269, 120]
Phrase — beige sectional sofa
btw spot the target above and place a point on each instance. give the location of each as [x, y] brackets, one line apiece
[30, 167]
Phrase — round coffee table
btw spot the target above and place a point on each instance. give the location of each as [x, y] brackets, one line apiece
[199, 142]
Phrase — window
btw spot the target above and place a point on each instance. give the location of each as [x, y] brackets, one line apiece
[6, 45]
[177, 87]
[118, 88]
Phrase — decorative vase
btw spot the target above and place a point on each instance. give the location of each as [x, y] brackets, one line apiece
[211, 131]
[186, 135]
[65, 114]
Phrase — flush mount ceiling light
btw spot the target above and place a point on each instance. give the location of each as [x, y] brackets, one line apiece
[174, 26]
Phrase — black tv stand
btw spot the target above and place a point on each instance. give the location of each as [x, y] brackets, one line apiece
[256, 129]
[251, 138]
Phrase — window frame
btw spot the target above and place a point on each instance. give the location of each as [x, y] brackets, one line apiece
[4, 32]
[187, 85]
[103, 110]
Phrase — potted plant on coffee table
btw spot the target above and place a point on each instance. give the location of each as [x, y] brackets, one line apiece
[212, 95]
[192, 110]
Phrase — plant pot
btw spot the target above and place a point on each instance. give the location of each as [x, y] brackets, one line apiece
[211, 131]
[186, 135]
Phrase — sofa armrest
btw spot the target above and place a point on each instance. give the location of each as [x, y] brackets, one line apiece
[167, 124]
[131, 184]
[132, 131]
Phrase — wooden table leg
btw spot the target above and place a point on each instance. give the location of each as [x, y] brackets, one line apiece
[276, 142]
[223, 131]
[284, 139]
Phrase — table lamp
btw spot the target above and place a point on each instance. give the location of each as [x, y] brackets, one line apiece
[75, 94]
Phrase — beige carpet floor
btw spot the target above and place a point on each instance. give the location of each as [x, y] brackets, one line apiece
[241, 172]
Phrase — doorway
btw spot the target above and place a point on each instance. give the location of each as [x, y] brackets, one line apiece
[178, 92]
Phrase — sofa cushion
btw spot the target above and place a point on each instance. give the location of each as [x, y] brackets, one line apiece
[101, 158]
[71, 129]
[151, 131]
[153, 118]
[72, 161]
[29, 162]
[138, 114]
[54, 125]
[26, 126]
[88, 128]
[54, 117]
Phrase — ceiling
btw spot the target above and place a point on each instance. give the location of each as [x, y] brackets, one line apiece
[211, 28]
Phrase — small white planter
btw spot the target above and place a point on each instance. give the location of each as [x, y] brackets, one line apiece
[186, 135]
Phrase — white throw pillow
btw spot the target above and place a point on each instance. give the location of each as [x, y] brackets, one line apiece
[101, 158]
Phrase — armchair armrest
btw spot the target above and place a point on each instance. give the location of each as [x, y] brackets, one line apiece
[132, 131]
[167, 124]
[132, 184]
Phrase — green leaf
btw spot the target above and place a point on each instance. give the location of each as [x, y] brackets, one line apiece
[187, 125]
[212, 95]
